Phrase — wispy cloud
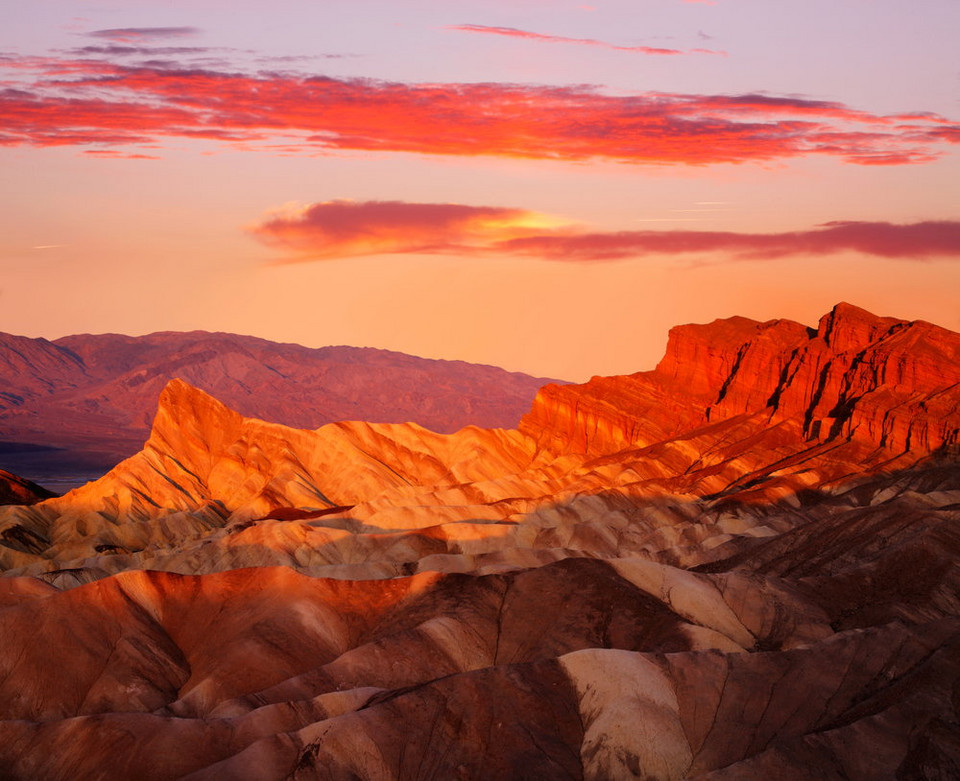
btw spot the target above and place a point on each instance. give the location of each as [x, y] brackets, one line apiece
[342, 229]
[121, 50]
[512, 32]
[64, 101]
[143, 34]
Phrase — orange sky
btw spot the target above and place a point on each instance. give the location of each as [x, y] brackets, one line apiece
[543, 186]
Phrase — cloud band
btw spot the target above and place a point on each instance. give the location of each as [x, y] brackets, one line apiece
[339, 229]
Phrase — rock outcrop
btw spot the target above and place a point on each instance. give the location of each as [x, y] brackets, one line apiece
[885, 382]
[744, 564]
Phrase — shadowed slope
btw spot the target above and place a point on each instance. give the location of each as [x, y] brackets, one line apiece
[17, 490]
[418, 693]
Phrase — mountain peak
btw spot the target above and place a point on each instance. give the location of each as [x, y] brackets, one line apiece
[179, 396]
[188, 417]
[847, 327]
[178, 391]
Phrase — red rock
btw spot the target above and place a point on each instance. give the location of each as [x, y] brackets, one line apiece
[883, 382]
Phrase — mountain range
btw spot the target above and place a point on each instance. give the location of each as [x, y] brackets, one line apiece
[740, 565]
[74, 407]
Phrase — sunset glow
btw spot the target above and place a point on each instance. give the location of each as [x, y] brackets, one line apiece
[640, 166]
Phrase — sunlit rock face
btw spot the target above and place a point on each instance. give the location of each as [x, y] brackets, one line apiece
[740, 565]
[881, 381]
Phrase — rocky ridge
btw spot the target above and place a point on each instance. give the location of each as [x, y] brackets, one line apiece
[82, 403]
[883, 382]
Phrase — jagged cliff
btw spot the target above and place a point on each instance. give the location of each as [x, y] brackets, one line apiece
[886, 383]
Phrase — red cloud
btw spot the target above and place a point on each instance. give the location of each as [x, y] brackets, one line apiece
[513, 32]
[339, 229]
[90, 101]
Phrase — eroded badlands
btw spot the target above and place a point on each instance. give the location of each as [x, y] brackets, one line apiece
[741, 565]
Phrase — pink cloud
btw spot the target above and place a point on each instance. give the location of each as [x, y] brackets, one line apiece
[113, 153]
[62, 101]
[512, 32]
[125, 50]
[915, 241]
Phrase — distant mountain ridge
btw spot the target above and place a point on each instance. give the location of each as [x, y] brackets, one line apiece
[85, 402]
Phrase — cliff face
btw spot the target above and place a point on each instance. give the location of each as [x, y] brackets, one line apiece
[878, 380]
[883, 382]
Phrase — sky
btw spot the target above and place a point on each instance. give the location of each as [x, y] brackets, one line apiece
[545, 186]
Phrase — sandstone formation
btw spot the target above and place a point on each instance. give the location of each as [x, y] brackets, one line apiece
[741, 565]
[76, 406]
